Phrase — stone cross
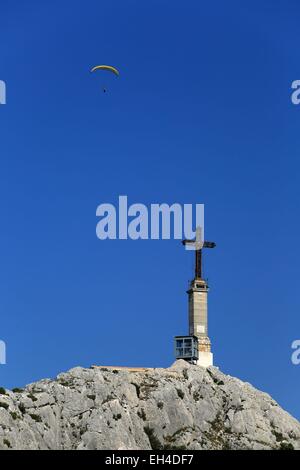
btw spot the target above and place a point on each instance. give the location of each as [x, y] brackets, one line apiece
[197, 244]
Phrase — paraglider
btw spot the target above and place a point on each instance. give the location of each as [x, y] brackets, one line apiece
[108, 68]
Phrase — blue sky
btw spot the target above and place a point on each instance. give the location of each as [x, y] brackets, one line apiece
[201, 113]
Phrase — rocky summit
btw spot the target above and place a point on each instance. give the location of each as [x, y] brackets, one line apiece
[181, 407]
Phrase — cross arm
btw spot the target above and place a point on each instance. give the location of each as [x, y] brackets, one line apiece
[194, 242]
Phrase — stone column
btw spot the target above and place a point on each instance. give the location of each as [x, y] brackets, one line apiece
[198, 320]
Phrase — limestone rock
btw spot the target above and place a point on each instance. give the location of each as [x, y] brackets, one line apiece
[182, 407]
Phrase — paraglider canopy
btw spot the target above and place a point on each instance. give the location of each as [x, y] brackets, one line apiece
[109, 68]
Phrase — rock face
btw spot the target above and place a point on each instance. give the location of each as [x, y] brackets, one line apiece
[182, 407]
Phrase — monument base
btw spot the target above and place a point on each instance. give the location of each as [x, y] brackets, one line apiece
[205, 359]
